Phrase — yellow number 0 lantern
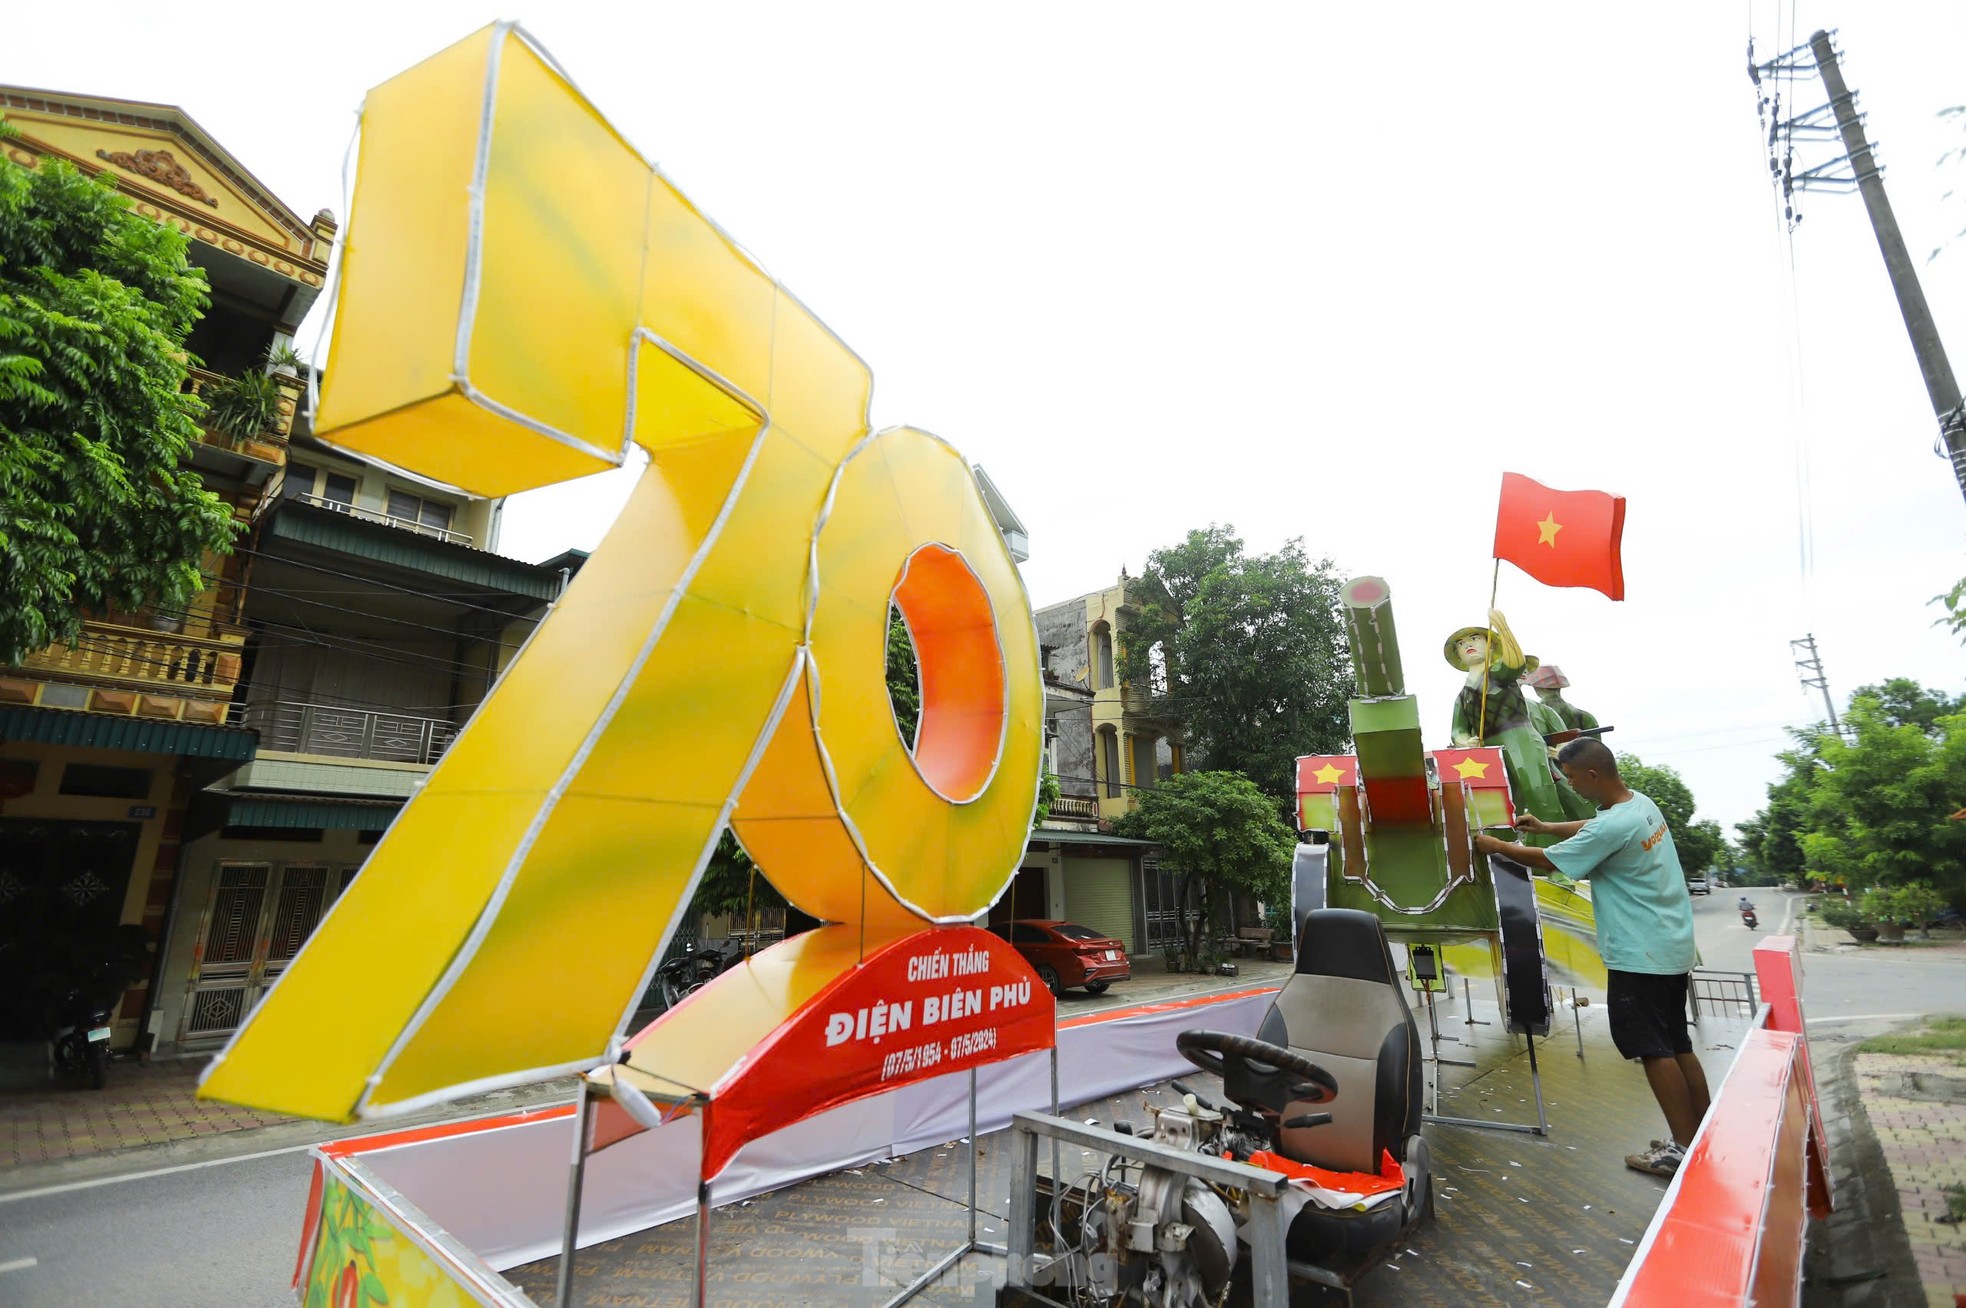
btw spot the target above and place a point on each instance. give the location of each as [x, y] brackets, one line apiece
[522, 297]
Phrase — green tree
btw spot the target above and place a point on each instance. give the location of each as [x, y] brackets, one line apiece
[1703, 841]
[1222, 833]
[1246, 651]
[1879, 809]
[1954, 604]
[98, 508]
[1700, 844]
[1771, 840]
[904, 686]
[1903, 702]
[1872, 807]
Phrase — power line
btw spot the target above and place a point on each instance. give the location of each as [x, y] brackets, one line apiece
[351, 576]
[311, 697]
[361, 644]
[368, 652]
[299, 597]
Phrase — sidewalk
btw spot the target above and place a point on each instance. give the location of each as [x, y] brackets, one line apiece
[149, 1114]
[1917, 1108]
[1820, 938]
[1913, 1109]
[144, 1104]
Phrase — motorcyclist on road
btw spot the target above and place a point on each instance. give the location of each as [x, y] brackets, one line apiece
[1745, 906]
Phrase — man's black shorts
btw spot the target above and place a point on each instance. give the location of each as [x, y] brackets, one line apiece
[1648, 1014]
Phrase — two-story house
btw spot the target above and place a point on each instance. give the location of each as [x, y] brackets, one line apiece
[103, 746]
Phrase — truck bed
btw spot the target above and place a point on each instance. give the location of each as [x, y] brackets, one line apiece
[1520, 1218]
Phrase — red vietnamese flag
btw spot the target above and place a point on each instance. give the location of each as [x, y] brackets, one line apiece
[1481, 768]
[1320, 774]
[1562, 538]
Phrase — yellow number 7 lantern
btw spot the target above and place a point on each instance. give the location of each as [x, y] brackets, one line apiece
[522, 297]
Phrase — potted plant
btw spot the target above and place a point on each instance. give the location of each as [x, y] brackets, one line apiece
[1882, 906]
[1914, 904]
[1844, 916]
[284, 359]
[241, 407]
[1282, 949]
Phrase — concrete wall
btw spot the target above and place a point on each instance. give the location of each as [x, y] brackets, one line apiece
[1062, 631]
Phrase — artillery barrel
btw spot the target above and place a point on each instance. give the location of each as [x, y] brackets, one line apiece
[1368, 604]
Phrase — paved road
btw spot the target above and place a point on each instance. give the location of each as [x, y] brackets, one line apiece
[225, 1232]
[1855, 987]
[219, 1233]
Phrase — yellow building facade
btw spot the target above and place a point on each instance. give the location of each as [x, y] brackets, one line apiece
[103, 746]
[1106, 747]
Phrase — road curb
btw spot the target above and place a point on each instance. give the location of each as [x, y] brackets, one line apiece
[28, 1179]
[1860, 1256]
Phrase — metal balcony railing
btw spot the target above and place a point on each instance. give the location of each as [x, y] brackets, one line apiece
[372, 515]
[301, 728]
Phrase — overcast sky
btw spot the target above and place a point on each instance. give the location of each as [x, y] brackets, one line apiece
[1314, 271]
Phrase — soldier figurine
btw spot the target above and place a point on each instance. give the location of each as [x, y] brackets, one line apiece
[1491, 710]
[1548, 682]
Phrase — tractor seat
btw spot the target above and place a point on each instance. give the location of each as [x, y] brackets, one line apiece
[1345, 1008]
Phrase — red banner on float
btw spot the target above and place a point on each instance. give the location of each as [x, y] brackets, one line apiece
[928, 1003]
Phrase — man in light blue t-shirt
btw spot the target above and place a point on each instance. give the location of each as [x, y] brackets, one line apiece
[1644, 932]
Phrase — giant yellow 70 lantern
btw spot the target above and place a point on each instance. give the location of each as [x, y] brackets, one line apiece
[523, 297]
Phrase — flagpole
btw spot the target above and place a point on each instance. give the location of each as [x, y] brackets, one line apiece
[1494, 586]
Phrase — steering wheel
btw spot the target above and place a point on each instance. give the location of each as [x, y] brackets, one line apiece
[1256, 1073]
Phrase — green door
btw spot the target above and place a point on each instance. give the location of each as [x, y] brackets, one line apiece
[1099, 894]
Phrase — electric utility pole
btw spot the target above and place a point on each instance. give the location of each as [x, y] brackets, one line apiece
[1932, 361]
[1810, 665]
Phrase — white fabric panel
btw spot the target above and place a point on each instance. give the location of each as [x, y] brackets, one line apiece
[502, 1191]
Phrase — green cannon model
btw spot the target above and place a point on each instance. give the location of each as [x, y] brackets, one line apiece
[1390, 829]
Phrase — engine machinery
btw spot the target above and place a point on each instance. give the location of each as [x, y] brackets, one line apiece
[1327, 1111]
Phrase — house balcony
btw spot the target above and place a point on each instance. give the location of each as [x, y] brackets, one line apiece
[331, 731]
[131, 670]
[254, 457]
[375, 515]
[1080, 810]
[1137, 702]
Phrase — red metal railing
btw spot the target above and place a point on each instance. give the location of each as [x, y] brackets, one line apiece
[1732, 1226]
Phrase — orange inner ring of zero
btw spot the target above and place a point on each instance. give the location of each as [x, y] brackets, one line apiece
[960, 731]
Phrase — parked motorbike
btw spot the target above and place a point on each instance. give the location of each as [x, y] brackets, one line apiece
[79, 1003]
[697, 966]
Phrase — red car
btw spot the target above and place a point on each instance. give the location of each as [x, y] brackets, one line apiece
[1065, 954]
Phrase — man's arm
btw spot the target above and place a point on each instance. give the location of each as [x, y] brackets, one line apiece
[1527, 821]
[1527, 855]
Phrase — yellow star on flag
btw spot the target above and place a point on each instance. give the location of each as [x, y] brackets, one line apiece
[1472, 769]
[1329, 774]
[1547, 529]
